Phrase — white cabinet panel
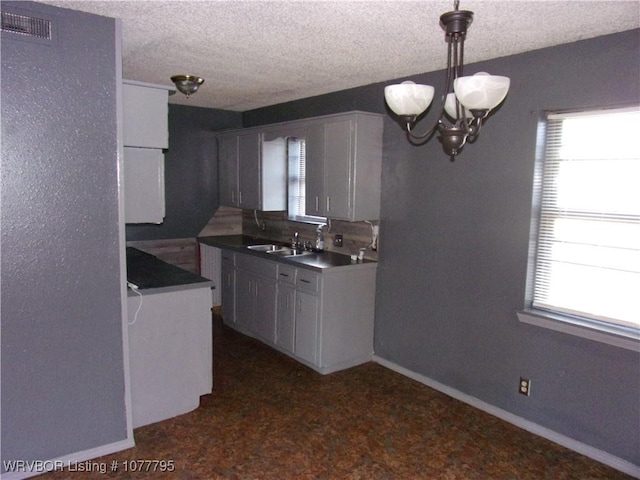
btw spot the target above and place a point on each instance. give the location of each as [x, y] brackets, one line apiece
[170, 353]
[145, 121]
[144, 185]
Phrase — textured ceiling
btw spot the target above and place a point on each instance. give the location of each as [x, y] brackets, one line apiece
[255, 53]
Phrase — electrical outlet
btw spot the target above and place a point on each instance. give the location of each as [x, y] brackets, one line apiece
[525, 386]
[263, 226]
[337, 240]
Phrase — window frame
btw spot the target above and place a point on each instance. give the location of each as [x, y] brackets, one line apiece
[627, 337]
[310, 219]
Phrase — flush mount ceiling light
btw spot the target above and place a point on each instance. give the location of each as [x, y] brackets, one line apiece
[187, 84]
[466, 101]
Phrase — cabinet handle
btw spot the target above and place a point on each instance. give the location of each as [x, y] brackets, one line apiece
[328, 204]
[305, 281]
[284, 274]
[240, 198]
[317, 204]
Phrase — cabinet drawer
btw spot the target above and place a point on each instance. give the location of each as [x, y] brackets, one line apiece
[287, 274]
[266, 268]
[307, 281]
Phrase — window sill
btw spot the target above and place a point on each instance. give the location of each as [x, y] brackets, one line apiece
[622, 337]
[308, 219]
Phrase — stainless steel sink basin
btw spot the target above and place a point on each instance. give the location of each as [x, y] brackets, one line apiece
[279, 250]
[290, 252]
[269, 248]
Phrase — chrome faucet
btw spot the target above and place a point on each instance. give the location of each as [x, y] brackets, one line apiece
[295, 241]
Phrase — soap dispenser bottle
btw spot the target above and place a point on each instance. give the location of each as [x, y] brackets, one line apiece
[319, 239]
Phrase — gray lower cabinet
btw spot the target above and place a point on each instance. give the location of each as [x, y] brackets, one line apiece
[306, 337]
[228, 286]
[323, 319]
[286, 308]
[256, 287]
[307, 314]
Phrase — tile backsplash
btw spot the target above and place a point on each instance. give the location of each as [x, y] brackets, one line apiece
[233, 221]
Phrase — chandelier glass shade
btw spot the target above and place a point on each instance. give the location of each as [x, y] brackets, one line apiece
[466, 101]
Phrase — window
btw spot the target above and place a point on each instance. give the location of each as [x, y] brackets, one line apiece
[586, 267]
[297, 182]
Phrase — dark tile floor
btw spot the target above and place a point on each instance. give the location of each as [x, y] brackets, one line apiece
[272, 418]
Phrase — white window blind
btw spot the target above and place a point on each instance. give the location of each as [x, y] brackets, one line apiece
[588, 246]
[297, 176]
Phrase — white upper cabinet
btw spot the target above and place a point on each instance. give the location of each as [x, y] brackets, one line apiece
[342, 167]
[146, 115]
[145, 134]
[252, 171]
[144, 185]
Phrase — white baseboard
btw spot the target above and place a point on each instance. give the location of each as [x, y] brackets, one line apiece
[582, 448]
[71, 460]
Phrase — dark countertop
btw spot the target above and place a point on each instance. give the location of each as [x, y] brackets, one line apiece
[150, 273]
[316, 261]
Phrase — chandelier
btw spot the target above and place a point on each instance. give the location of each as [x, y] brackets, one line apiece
[187, 84]
[466, 101]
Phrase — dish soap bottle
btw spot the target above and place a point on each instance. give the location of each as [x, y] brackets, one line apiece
[319, 240]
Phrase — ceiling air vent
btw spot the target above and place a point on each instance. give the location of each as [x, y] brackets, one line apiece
[27, 26]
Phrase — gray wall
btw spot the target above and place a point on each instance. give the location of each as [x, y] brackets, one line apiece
[191, 172]
[62, 351]
[454, 242]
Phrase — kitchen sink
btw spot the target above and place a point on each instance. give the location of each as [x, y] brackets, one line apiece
[279, 250]
[268, 248]
[290, 252]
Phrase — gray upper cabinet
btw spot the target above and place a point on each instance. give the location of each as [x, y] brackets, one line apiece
[145, 134]
[343, 164]
[351, 167]
[252, 171]
[146, 115]
[314, 170]
[228, 169]
[144, 185]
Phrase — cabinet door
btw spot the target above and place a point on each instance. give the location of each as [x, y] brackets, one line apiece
[143, 185]
[315, 198]
[249, 189]
[245, 301]
[285, 318]
[145, 116]
[306, 330]
[228, 170]
[265, 313]
[228, 289]
[338, 166]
